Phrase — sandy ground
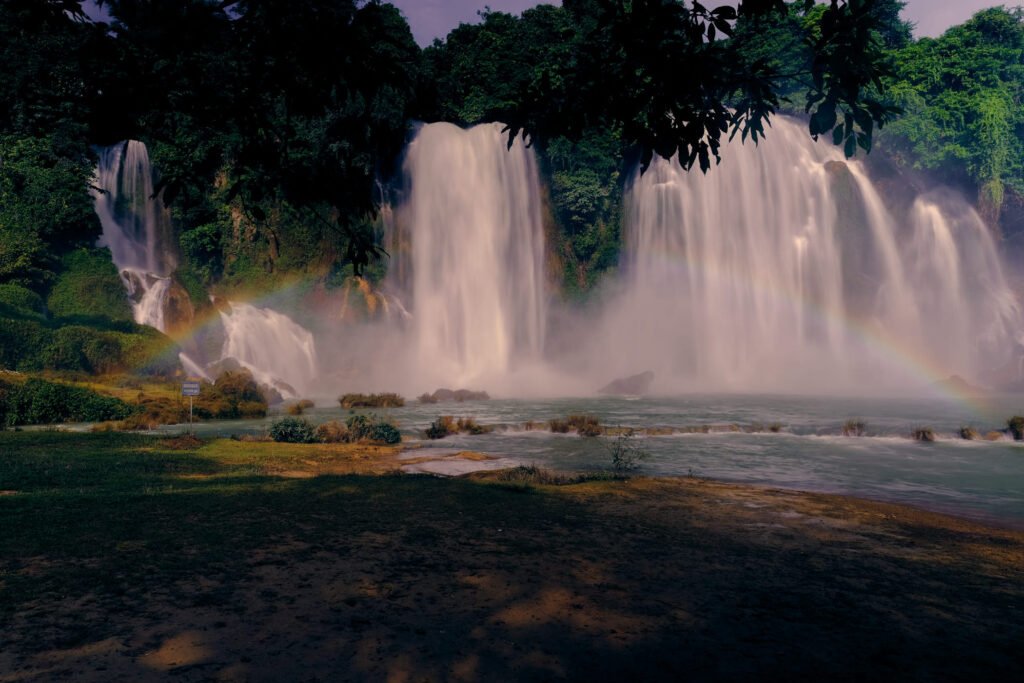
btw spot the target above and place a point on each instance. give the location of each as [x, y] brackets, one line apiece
[411, 579]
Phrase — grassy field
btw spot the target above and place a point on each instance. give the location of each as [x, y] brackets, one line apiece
[126, 557]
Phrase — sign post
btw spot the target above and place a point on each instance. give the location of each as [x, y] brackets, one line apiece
[190, 389]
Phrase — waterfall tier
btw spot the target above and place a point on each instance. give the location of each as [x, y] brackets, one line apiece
[478, 296]
[782, 269]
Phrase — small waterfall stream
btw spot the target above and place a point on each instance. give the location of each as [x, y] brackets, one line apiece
[136, 228]
[138, 231]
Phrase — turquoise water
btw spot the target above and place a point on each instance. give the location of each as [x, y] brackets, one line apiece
[977, 479]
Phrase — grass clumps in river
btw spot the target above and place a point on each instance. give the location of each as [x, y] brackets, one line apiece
[356, 429]
[855, 427]
[371, 401]
[448, 425]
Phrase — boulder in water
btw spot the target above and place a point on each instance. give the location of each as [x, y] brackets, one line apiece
[634, 385]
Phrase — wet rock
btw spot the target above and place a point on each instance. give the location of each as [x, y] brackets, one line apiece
[634, 385]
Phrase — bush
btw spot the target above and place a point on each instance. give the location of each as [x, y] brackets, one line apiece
[358, 427]
[441, 427]
[234, 395]
[292, 430]
[371, 401]
[626, 454]
[89, 286]
[1015, 425]
[384, 432]
[332, 432]
[37, 401]
[300, 407]
[925, 434]
[427, 398]
[855, 427]
[21, 300]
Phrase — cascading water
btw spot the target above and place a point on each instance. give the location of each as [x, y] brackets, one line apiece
[279, 352]
[136, 228]
[782, 269]
[138, 232]
[478, 295]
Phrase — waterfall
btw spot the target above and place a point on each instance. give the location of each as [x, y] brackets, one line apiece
[783, 269]
[136, 228]
[278, 351]
[478, 296]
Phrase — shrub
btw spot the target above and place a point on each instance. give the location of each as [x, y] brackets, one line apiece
[775, 427]
[300, 407]
[234, 395]
[292, 430]
[626, 454]
[21, 300]
[358, 427]
[926, 434]
[89, 286]
[385, 432]
[332, 432]
[855, 427]
[585, 425]
[441, 427]
[969, 433]
[371, 401]
[37, 401]
[994, 436]
[427, 398]
[1016, 427]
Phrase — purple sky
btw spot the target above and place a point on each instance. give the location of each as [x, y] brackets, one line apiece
[435, 18]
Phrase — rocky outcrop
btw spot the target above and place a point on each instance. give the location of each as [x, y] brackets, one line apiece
[634, 385]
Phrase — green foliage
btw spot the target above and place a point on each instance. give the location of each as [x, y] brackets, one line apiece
[963, 94]
[89, 287]
[20, 300]
[293, 430]
[45, 207]
[234, 395]
[40, 402]
[384, 432]
[31, 343]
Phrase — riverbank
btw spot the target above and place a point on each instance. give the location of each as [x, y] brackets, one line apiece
[128, 558]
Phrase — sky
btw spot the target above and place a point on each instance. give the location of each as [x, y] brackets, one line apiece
[435, 18]
[431, 19]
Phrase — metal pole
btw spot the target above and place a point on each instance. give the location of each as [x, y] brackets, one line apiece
[191, 429]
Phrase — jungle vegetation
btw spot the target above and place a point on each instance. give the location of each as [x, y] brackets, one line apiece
[288, 119]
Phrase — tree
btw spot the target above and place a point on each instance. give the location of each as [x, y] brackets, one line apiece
[963, 94]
